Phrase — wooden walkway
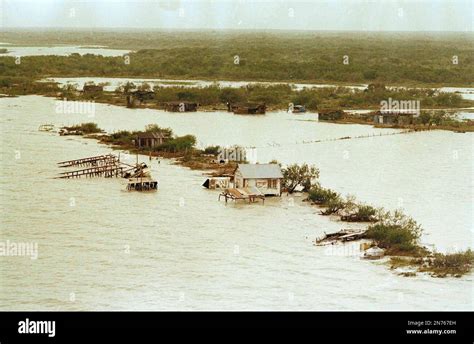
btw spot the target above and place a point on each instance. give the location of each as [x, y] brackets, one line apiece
[94, 161]
[107, 166]
[107, 171]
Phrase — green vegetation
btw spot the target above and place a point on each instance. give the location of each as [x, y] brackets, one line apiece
[454, 264]
[280, 96]
[438, 264]
[303, 176]
[178, 144]
[390, 58]
[397, 233]
[358, 212]
[212, 150]
[330, 200]
[85, 128]
[155, 128]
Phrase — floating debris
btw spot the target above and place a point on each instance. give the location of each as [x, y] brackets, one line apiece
[343, 235]
[217, 183]
[142, 184]
[46, 127]
[374, 252]
[252, 194]
[66, 132]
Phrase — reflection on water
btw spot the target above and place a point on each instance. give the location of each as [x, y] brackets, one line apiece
[179, 248]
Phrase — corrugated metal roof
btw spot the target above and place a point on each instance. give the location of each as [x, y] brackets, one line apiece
[263, 171]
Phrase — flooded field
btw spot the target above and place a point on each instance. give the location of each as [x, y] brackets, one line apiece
[100, 247]
[65, 50]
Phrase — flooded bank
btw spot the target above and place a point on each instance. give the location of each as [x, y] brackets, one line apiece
[100, 247]
[113, 83]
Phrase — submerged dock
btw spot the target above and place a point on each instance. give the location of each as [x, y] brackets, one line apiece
[107, 171]
[93, 161]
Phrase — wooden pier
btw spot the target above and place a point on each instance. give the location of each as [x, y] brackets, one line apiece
[109, 166]
[107, 171]
[94, 161]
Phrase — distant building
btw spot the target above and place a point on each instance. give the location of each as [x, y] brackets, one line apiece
[394, 118]
[136, 98]
[266, 177]
[150, 139]
[181, 106]
[247, 109]
[92, 88]
[330, 115]
[299, 109]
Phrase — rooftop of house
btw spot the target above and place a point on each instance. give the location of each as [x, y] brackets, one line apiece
[257, 171]
[152, 135]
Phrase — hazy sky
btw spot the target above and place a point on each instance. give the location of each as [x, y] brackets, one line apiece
[373, 15]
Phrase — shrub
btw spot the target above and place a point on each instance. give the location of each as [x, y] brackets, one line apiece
[178, 144]
[86, 128]
[214, 150]
[320, 195]
[359, 212]
[397, 233]
[450, 264]
[122, 137]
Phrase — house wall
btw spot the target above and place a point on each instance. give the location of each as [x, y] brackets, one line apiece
[261, 184]
[238, 180]
[149, 142]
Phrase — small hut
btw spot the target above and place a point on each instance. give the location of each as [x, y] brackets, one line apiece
[330, 115]
[265, 177]
[394, 117]
[92, 89]
[136, 98]
[247, 109]
[150, 139]
[299, 109]
[181, 106]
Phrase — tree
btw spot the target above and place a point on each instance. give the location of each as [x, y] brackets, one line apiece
[145, 87]
[68, 91]
[127, 87]
[295, 175]
[155, 128]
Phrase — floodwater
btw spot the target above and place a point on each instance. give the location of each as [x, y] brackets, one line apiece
[113, 83]
[65, 50]
[101, 248]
